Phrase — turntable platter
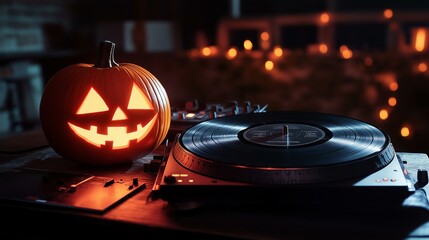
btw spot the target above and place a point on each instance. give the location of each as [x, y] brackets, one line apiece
[284, 147]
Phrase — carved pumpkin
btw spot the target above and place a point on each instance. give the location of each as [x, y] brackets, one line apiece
[106, 113]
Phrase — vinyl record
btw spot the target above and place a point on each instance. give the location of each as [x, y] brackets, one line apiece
[283, 147]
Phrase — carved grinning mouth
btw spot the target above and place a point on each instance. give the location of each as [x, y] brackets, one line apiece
[117, 135]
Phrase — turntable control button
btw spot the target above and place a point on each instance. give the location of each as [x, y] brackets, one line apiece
[169, 179]
[256, 108]
[73, 188]
[181, 115]
[235, 110]
[135, 181]
[232, 107]
[213, 113]
[247, 107]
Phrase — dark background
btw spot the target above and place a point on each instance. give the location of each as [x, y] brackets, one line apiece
[40, 37]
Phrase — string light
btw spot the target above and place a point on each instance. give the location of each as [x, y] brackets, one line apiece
[248, 45]
[392, 101]
[231, 53]
[206, 51]
[405, 132]
[388, 13]
[345, 52]
[383, 114]
[265, 36]
[323, 48]
[265, 44]
[324, 18]
[420, 41]
[269, 65]
[278, 51]
[422, 67]
[393, 86]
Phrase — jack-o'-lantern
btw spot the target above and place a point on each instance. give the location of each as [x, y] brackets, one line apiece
[106, 113]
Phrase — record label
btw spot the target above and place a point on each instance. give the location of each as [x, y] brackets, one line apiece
[284, 135]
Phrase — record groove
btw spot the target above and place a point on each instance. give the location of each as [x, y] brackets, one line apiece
[283, 148]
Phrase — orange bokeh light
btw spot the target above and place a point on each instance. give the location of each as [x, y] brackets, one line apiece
[422, 67]
[392, 101]
[388, 13]
[324, 17]
[269, 65]
[393, 86]
[232, 53]
[420, 42]
[278, 51]
[345, 52]
[248, 45]
[405, 132]
[206, 51]
[265, 36]
[383, 114]
[323, 48]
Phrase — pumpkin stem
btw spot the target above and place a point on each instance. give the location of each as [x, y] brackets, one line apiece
[106, 51]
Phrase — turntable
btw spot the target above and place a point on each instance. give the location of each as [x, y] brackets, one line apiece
[284, 157]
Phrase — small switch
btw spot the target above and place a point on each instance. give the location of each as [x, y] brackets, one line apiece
[256, 108]
[73, 188]
[109, 182]
[135, 181]
[181, 115]
[213, 112]
[247, 107]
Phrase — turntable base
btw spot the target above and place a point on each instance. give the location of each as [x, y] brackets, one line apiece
[387, 187]
[286, 158]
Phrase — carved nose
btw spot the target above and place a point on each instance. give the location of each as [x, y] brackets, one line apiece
[119, 115]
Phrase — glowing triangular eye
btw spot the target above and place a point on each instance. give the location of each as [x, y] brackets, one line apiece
[138, 100]
[92, 103]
